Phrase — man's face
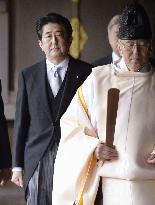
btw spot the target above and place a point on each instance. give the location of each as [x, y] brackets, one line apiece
[136, 53]
[113, 38]
[55, 42]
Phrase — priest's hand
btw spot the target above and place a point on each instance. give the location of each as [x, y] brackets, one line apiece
[17, 178]
[151, 158]
[5, 175]
[105, 153]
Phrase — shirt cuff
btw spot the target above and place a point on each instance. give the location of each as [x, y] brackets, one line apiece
[18, 169]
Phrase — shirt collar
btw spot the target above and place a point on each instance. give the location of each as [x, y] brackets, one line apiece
[63, 64]
[115, 57]
[121, 67]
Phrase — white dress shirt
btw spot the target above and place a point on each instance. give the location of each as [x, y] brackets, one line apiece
[63, 70]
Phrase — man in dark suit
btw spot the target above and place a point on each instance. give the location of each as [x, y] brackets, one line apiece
[5, 151]
[114, 57]
[41, 101]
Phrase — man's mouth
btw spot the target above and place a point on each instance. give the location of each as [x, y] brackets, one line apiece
[55, 48]
[135, 59]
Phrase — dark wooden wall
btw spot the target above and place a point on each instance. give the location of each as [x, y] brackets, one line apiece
[94, 16]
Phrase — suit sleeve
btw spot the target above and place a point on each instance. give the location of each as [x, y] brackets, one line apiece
[5, 151]
[22, 121]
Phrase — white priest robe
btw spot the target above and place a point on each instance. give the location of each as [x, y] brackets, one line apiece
[130, 180]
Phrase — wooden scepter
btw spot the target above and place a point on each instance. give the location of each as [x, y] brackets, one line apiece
[112, 106]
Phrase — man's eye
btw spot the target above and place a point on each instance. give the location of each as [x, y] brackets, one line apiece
[130, 44]
[59, 34]
[142, 44]
[48, 36]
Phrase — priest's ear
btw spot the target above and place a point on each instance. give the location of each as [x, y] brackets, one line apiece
[119, 46]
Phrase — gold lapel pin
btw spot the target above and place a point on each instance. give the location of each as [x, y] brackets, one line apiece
[77, 76]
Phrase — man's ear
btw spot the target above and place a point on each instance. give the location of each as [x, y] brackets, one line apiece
[150, 47]
[40, 44]
[70, 41]
[120, 48]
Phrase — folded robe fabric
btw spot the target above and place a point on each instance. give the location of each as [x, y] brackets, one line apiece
[134, 139]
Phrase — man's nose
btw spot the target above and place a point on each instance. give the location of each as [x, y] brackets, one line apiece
[54, 39]
[135, 48]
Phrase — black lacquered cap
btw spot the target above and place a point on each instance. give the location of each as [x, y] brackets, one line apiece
[134, 23]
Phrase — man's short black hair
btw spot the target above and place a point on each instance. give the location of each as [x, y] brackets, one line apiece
[53, 18]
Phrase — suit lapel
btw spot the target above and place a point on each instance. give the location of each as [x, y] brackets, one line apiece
[41, 77]
[73, 79]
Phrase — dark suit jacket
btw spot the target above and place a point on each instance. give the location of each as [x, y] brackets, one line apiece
[5, 152]
[34, 125]
[152, 61]
[103, 61]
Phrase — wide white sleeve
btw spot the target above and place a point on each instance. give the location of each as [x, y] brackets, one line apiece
[76, 147]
